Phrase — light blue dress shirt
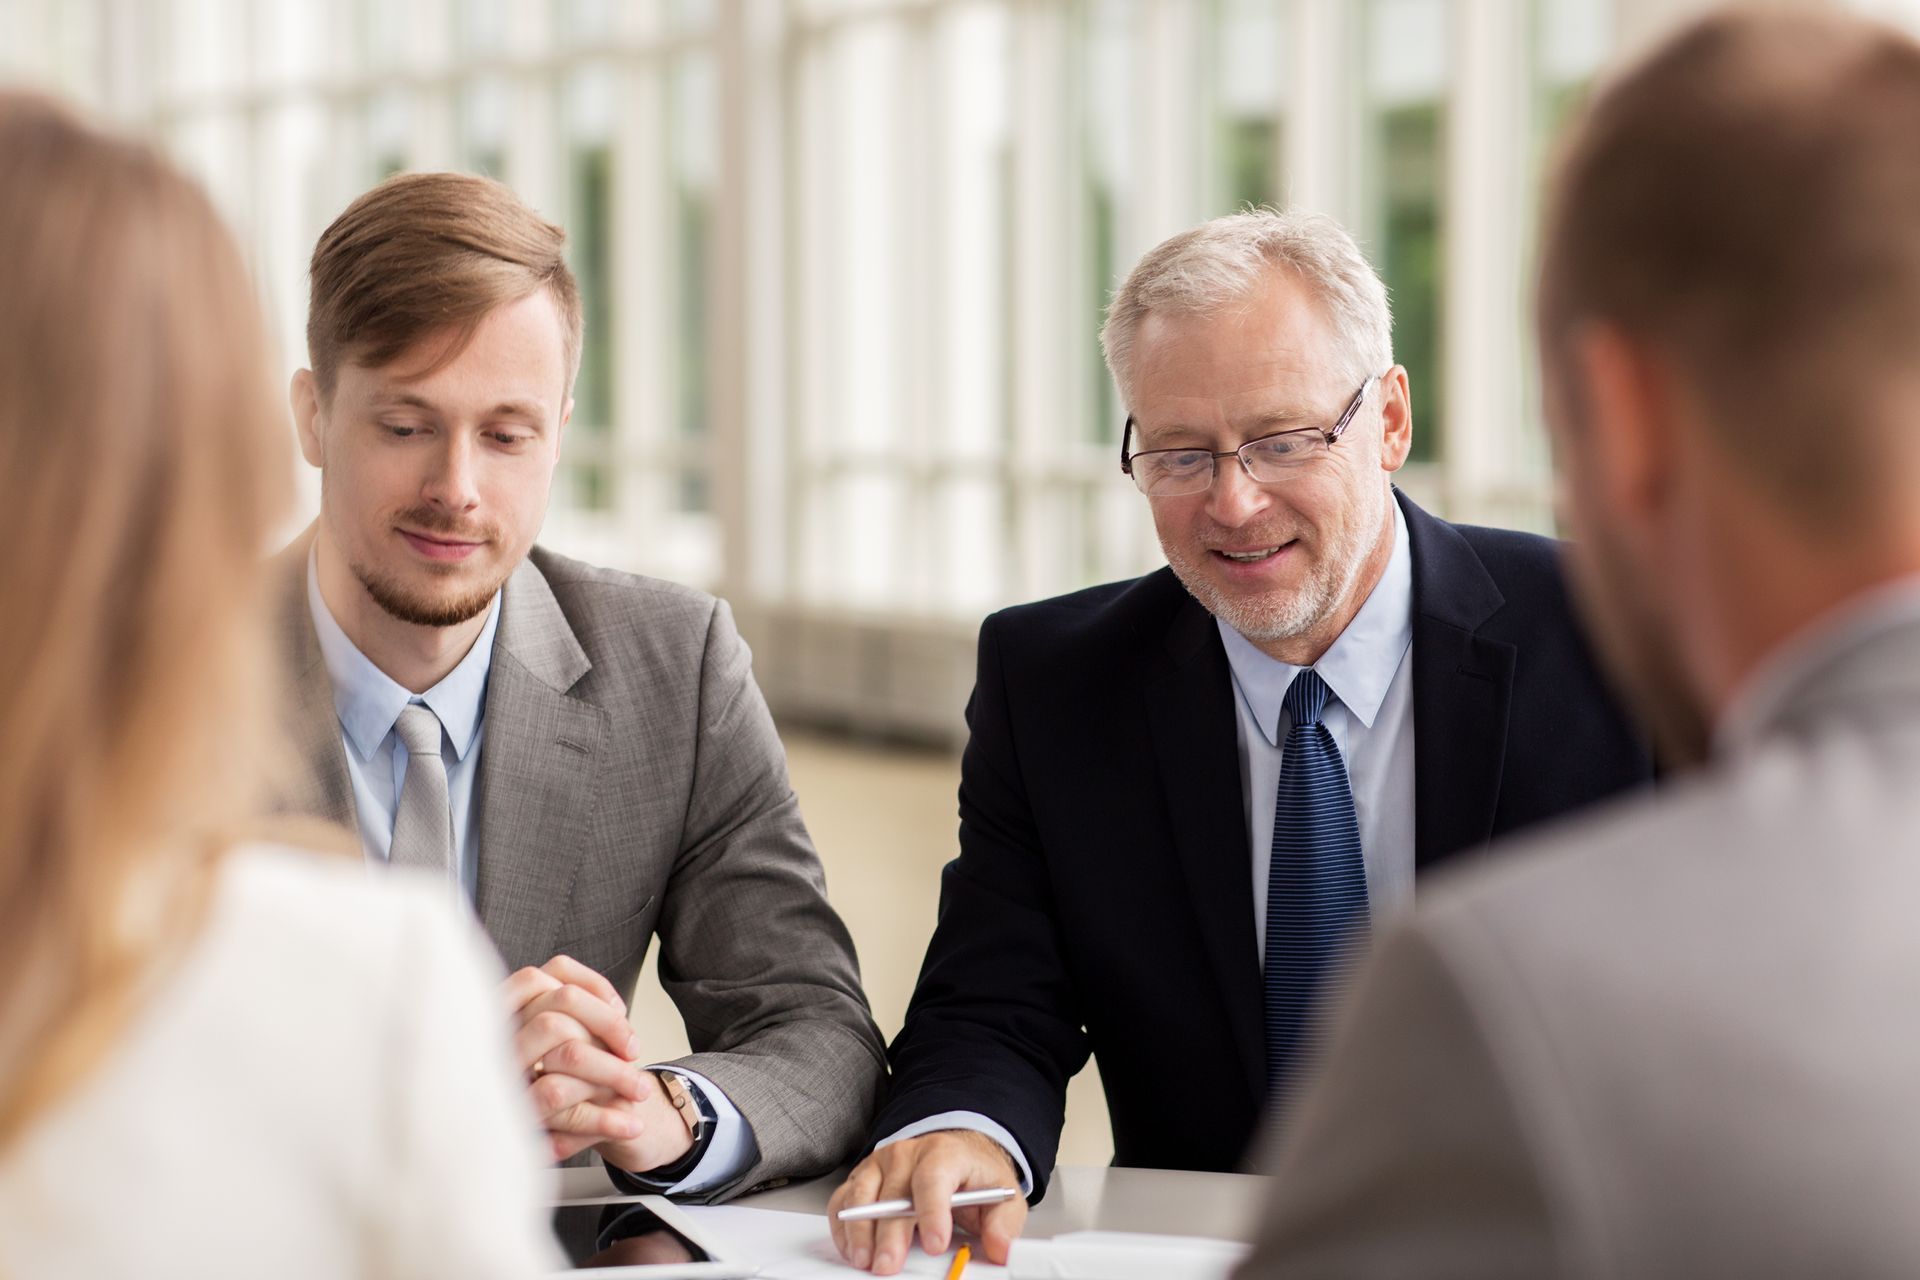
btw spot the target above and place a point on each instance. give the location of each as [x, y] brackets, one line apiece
[1371, 720]
[368, 703]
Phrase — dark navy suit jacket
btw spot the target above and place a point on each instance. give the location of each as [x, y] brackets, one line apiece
[1102, 900]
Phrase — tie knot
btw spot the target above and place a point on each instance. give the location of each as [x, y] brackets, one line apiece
[1307, 697]
[419, 729]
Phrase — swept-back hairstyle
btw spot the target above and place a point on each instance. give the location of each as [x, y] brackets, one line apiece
[429, 252]
[1215, 266]
[144, 462]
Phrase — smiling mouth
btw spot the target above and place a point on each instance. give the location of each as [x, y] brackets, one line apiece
[440, 548]
[1254, 556]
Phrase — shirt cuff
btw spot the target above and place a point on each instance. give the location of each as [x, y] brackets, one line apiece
[977, 1123]
[731, 1152]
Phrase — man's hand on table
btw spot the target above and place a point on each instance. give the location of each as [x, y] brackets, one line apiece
[927, 1170]
[573, 1041]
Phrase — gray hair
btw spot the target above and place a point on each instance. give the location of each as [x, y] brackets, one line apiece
[1222, 261]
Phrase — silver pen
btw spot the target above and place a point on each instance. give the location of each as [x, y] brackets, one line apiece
[905, 1209]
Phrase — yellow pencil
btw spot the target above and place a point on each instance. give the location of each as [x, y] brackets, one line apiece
[959, 1263]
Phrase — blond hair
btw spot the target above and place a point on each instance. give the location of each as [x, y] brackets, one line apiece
[143, 464]
[1218, 263]
[425, 253]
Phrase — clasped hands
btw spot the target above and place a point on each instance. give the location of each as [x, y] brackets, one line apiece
[579, 1052]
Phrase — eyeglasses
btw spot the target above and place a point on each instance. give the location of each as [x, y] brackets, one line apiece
[1169, 473]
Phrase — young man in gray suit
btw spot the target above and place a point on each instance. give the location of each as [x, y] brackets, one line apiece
[583, 752]
[1678, 1040]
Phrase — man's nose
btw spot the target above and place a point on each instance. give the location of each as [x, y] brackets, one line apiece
[451, 485]
[1235, 498]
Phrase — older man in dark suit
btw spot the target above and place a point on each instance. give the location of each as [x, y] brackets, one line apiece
[1187, 798]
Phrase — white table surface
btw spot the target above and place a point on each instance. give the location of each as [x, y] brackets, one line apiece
[1080, 1198]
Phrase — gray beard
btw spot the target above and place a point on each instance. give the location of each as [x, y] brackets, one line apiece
[1276, 616]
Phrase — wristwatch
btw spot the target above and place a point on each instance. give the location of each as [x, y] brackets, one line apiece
[691, 1105]
[689, 1102]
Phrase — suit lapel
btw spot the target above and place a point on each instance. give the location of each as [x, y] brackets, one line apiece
[537, 768]
[1190, 711]
[1462, 685]
[320, 786]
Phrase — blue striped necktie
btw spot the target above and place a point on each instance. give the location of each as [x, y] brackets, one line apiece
[1316, 882]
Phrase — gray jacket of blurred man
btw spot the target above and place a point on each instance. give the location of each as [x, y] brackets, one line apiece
[632, 786]
[1618, 1052]
[1678, 1038]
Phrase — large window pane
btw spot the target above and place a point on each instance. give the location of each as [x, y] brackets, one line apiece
[960, 186]
[482, 28]
[1109, 142]
[1570, 39]
[693, 132]
[852, 354]
[1404, 79]
[485, 106]
[1248, 53]
[586, 23]
[974, 210]
[386, 120]
[208, 47]
[968, 515]
[212, 145]
[587, 118]
[293, 42]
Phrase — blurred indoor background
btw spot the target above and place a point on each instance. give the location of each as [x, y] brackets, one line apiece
[844, 262]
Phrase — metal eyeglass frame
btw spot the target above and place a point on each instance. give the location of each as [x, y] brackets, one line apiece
[1330, 436]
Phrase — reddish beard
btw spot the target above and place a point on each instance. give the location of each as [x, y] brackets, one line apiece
[433, 604]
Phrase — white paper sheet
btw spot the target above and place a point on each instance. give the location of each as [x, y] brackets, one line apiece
[796, 1246]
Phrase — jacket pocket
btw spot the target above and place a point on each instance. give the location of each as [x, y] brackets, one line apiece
[610, 946]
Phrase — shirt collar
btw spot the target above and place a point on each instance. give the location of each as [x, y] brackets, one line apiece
[1360, 664]
[1764, 695]
[368, 700]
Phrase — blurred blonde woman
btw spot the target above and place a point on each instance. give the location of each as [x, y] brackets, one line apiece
[217, 1057]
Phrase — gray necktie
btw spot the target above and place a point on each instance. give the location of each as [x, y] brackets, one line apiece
[423, 822]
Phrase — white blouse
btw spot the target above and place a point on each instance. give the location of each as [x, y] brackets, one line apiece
[321, 1088]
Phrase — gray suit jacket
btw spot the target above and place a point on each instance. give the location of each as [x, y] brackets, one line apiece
[1678, 1039]
[632, 784]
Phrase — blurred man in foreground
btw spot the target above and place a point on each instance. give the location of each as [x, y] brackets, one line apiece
[1185, 797]
[1679, 1040]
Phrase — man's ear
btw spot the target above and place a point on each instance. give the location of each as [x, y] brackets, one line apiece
[1628, 429]
[1396, 419]
[566, 416]
[305, 395]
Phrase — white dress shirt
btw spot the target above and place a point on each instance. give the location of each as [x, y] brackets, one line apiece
[1371, 719]
[369, 702]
